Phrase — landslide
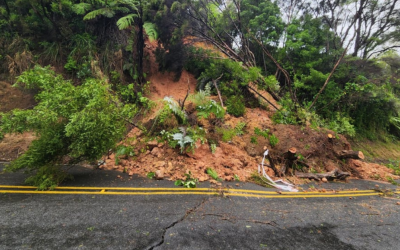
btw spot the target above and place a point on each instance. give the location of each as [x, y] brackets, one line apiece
[235, 159]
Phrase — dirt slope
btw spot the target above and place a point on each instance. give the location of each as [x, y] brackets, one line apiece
[238, 158]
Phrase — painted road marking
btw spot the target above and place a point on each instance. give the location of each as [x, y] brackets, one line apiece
[185, 191]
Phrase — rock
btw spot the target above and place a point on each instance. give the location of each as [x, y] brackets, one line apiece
[152, 144]
[159, 174]
[155, 152]
[159, 164]
[201, 179]
[200, 151]
[130, 173]
[398, 203]
[324, 180]
[170, 167]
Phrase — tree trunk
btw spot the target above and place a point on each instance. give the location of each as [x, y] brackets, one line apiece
[335, 174]
[139, 47]
[7, 8]
[345, 154]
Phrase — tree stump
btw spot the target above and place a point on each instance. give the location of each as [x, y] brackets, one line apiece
[290, 158]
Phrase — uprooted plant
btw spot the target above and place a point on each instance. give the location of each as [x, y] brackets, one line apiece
[80, 122]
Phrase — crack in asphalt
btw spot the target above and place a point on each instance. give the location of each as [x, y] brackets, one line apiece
[188, 212]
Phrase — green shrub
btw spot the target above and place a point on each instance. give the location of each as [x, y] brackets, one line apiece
[235, 106]
[82, 122]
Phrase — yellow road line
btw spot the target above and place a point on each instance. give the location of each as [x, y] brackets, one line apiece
[313, 192]
[185, 189]
[303, 196]
[185, 193]
[102, 193]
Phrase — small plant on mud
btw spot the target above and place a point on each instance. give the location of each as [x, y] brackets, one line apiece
[189, 182]
[123, 151]
[392, 181]
[151, 175]
[273, 140]
[239, 128]
[259, 180]
[236, 177]
[213, 148]
[263, 133]
[182, 138]
[395, 165]
[211, 172]
[253, 140]
[226, 133]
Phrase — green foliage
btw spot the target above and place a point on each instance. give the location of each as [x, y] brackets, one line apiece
[176, 110]
[263, 133]
[239, 128]
[182, 139]
[395, 165]
[235, 106]
[259, 180]
[151, 30]
[211, 172]
[122, 150]
[205, 106]
[273, 140]
[47, 178]
[82, 122]
[227, 134]
[151, 175]
[209, 108]
[189, 182]
[213, 147]
[342, 125]
[253, 140]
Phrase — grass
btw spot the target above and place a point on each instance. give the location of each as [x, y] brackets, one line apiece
[377, 151]
[259, 180]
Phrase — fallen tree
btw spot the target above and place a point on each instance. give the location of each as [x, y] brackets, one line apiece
[335, 174]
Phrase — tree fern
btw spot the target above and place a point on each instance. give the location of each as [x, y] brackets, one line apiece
[81, 8]
[151, 31]
[107, 12]
[126, 21]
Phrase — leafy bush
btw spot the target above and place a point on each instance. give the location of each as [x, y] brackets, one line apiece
[235, 106]
[82, 122]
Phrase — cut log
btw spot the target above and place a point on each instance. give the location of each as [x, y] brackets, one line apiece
[335, 174]
[345, 154]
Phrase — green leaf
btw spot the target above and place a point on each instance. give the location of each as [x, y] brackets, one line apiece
[126, 21]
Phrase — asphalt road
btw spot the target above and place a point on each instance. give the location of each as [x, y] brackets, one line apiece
[182, 221]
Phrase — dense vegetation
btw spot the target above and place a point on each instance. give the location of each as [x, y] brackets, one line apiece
[328, 63]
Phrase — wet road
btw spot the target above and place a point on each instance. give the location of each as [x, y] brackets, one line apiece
[174, 220]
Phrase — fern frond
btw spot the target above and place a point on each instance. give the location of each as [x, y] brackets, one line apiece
[104, 11]
[81, 8]
[131, 3]
[151, 31]
[126, 21]
[122, 9]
